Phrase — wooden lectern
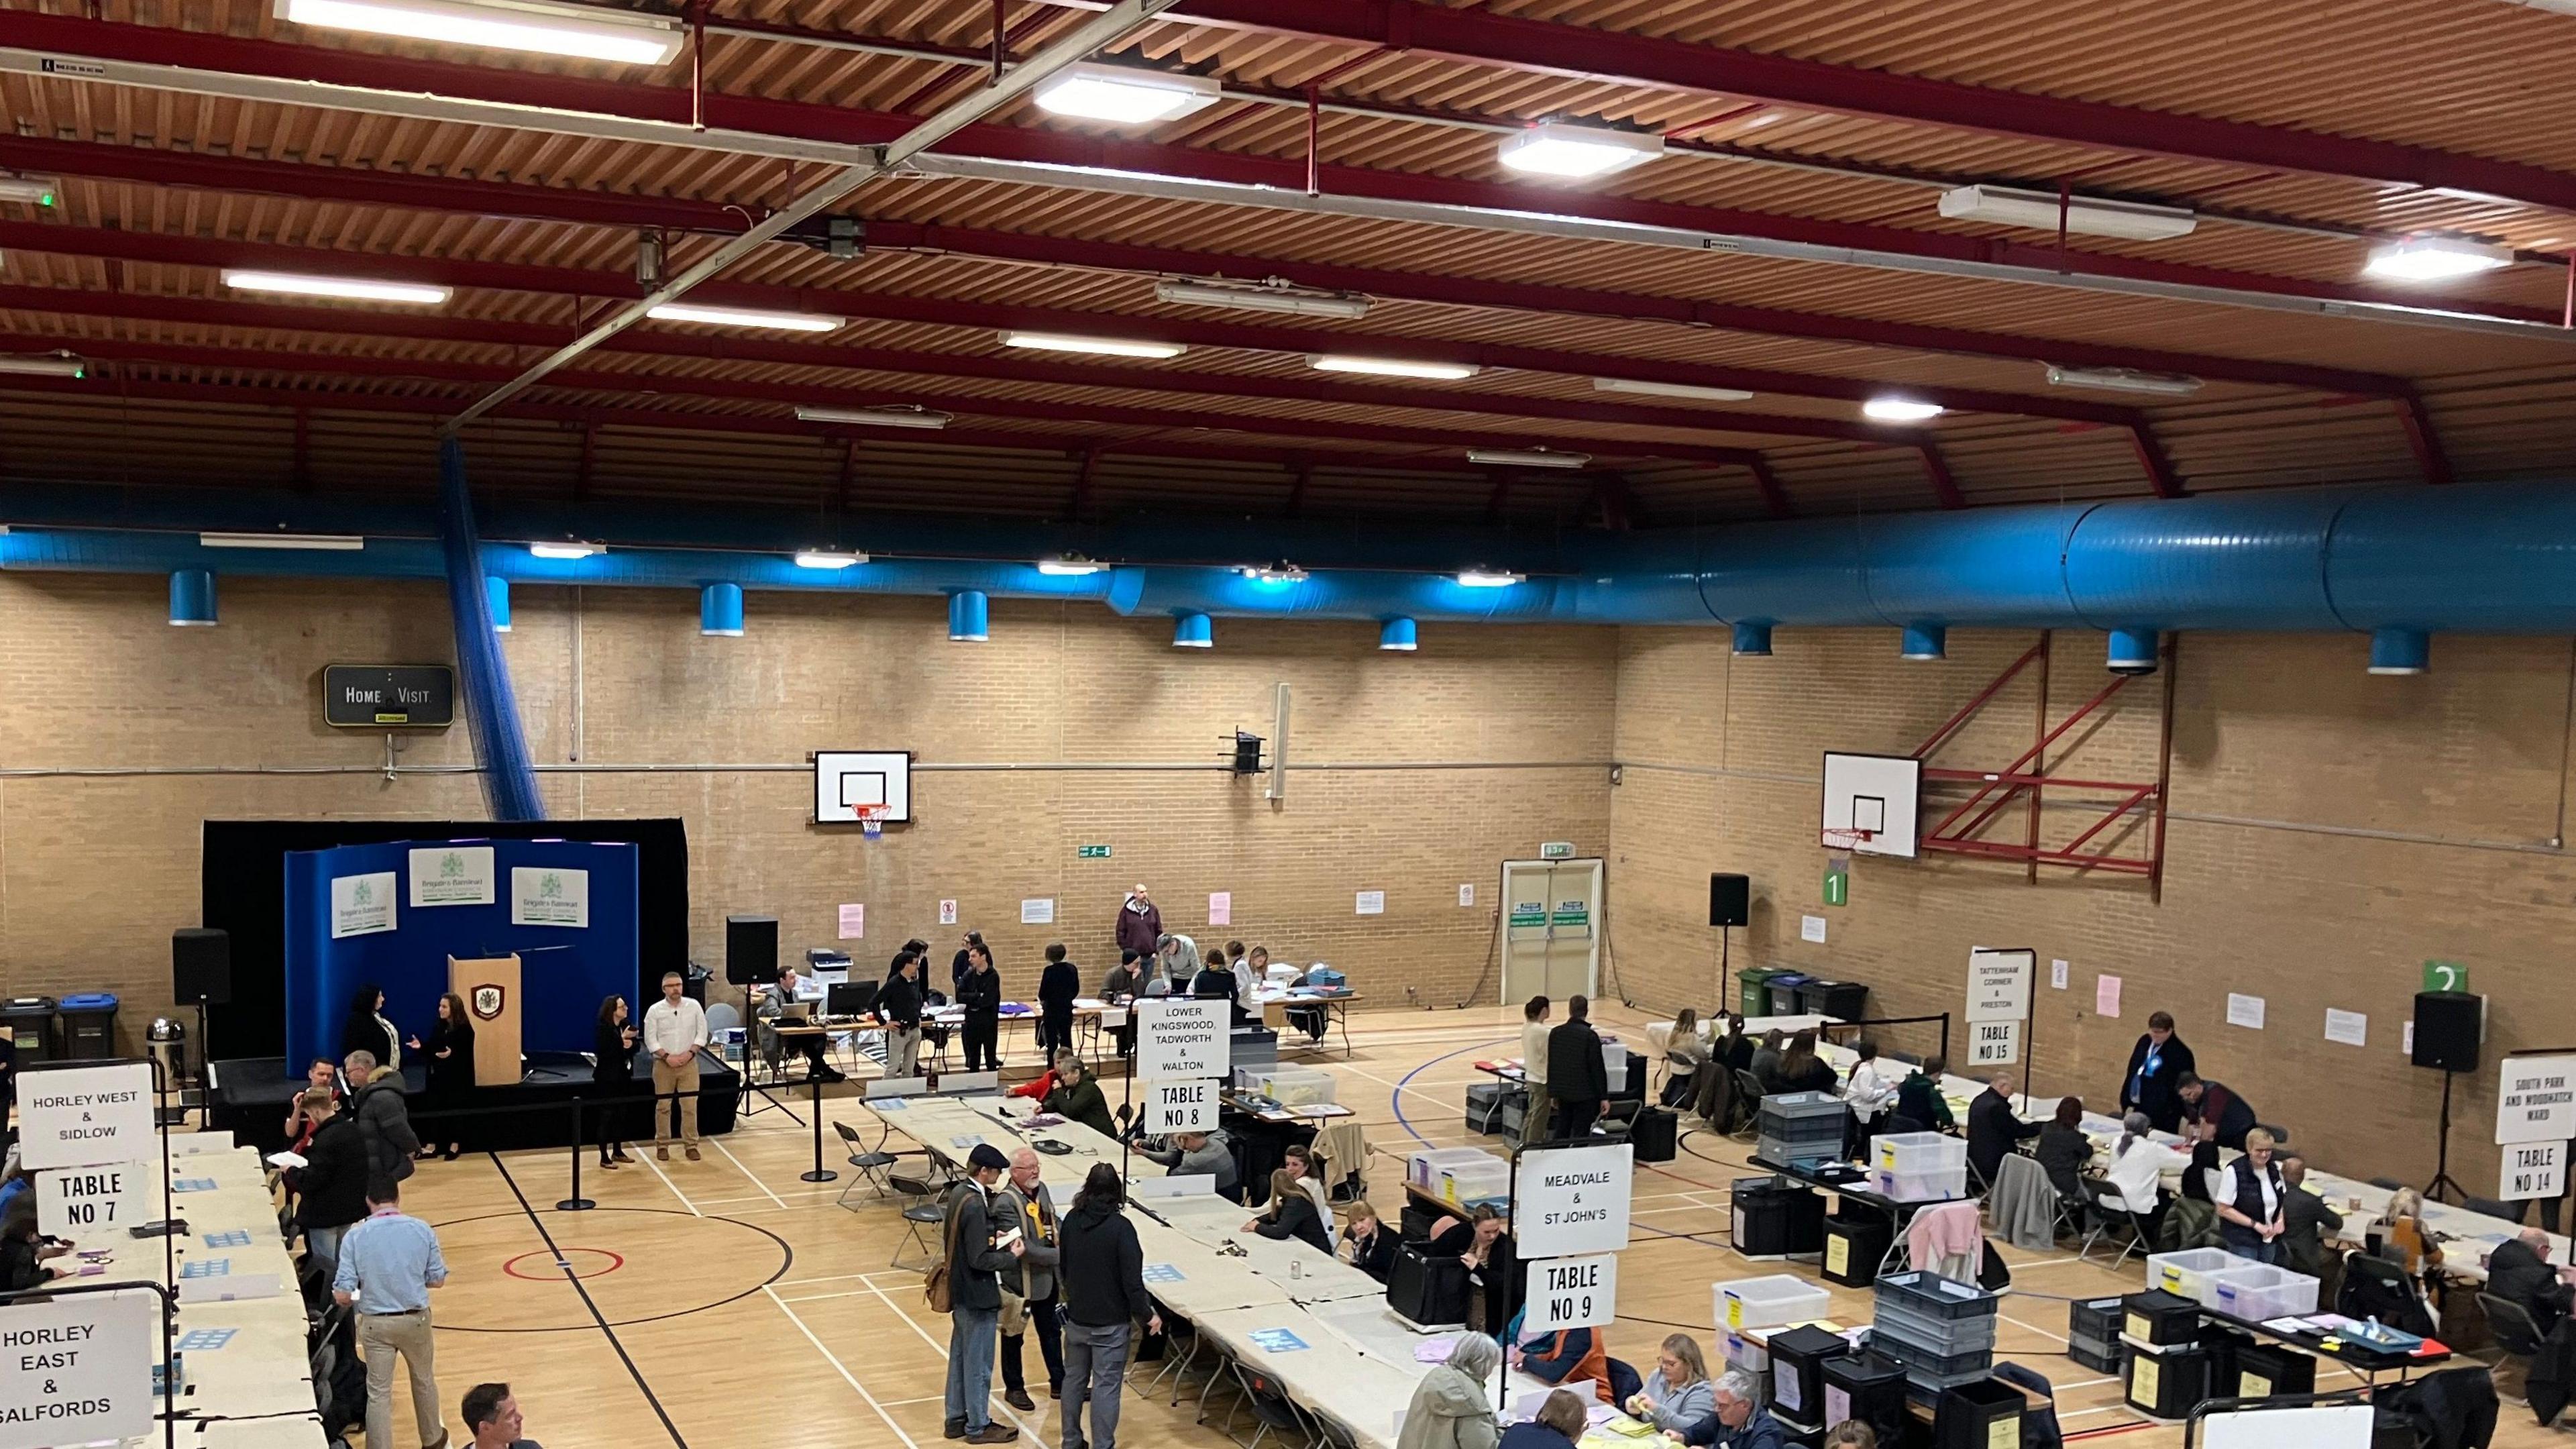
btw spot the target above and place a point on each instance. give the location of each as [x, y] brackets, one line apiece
[490, 991]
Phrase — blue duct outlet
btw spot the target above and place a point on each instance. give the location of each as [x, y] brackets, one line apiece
[720, 610]
[498, 589]
[1400, 635]
[969, 616]
[1753, 641]
[192, 598]
[1924, 641]
[2400, 651]
[1193, 631]
[2132, 651]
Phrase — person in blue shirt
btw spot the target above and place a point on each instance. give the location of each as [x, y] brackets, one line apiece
[388, 1265]
[1738, 1422]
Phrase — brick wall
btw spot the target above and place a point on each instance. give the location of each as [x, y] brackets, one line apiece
[2331, 831]
[1511, 728]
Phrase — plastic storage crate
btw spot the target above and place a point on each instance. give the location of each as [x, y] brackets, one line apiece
[1295, 1086]
[2096, 1318]
[1941, 1335]
[1767, 1302]
[2187, 1274]
[1496, 1109]
[2260, 1292]
[1467, 1184]
[1423, 1168]
[1775, 1218]
[1929, 1295]
[1927, 1369]
[1855, 1247]
[1917, 1153]
[2159, 1319]
[2098, 1354]
[1978, 1415]
[1746, 1348]
[1920, 1186]
[1798, 1358]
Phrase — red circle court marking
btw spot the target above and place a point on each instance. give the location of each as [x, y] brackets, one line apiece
[511, 1267]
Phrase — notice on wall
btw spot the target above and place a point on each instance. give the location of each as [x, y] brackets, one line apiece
[2536, 1099]
[1038, 912]
[1999, 983]
[2057, 972]
[1371, 903]
[1572, 1201]
[1220, 908]
[2245, 1011]
[543, 896]
[78, 1369]
[79, 1116]
[948, 913]
[854, 922]
[2351, 1028]
[2106, 996]
[1811, 928]
[1187, 1106]
[1467, 893]
[1994, 1043]
[452, 875]
[2406, 1042]
[2532, 1169]
[1571, 1293]
[91, 1204]
[362, 905]
[1182, 1037]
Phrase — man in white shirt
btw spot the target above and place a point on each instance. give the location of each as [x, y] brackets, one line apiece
[674, 1029]
[1534, 1070]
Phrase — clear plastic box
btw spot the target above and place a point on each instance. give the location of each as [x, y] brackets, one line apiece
[1768, 1302]
[2186, 1274]
[1920, 1186]
[1295, 1086]
[1915, 1154]
[1423, 1168]
[2260, 1292]
[1466, 1184]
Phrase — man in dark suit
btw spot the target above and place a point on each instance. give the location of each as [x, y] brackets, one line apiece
[2156, 1063]
[2518, 1272]
[2306, 1220]
[1577, 1078]
[1993, 1129]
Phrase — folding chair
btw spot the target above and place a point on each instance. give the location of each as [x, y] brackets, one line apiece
[922, 1212]
[1748, 1100]
[2512, 1212]
[1617, 1120]
[2518, 1336]
[1271, 1409]
[870, 1162]
[2112, 1218]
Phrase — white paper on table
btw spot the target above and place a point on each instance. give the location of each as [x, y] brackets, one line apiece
[2245, 1011]
[2351, 1028]
[285, 1159]
[1195, 1184]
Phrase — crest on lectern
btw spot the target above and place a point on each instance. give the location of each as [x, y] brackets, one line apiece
[487, 1001]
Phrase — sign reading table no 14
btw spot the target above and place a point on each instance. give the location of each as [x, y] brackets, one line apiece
[1572, 1201]
[1571, 1293]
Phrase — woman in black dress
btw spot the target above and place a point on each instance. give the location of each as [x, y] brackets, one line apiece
[612, 1072]
[367, 1030]
[451, 1071]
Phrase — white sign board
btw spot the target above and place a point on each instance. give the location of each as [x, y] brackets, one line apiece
[89, 1204]
[1181, 1037]
[1572, 1201]
[78, 1369]
[1999, 984]
[362, 905]
[2245, 1011]
[544, 897]
[1180, 1106]
[2322, 1426]
[2536, 1099]
[1571, 1293]
[2532, 1169]
[1994, 1043]
[1370, 903]
[80, 1116]
[1038, 911]
[452, 875]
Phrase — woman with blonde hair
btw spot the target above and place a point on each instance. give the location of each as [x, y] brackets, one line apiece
[2403, 1227]
[1685, 1057]
[1677, 1394]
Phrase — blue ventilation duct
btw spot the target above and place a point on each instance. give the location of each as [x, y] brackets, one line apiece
[1924, 641]
[1193, 631]
[192, 598]
[491, 705]
[1400, 635]
[496, 589]
[1753, 641]
[970, 617]
[720, 610]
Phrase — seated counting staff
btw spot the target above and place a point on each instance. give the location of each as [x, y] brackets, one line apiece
[1188, 1154]
[1561, 1419]
[1738, 1421]
[1571, 1358]
[1371, 1244]
[1494, 1282]
[1292, 1215]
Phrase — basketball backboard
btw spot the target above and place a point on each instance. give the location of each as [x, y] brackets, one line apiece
[847, 783]
[1870, 804]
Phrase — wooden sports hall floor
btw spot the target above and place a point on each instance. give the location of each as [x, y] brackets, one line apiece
[725, 1303]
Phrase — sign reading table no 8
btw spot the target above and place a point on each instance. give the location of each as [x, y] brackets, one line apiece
[1180, 1106]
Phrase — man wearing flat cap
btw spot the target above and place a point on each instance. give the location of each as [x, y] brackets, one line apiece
[975, 1295]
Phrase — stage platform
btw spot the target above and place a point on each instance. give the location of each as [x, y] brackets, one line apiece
[248, 1097]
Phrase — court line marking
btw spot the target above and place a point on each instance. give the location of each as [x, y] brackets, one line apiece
[592, 1304]
[843, 1369]
[991, 1400]
[673, 1186]
[718, 1145]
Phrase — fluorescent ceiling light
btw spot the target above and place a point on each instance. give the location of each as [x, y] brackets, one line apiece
[313, 542]
[1900, 410]
[1263, 297]
[1278, 573]
[1577, 153]
[586, 32]
[1071, 566]
[29, 189]
[56, 364]
[1670, 389]
[354, 289]
[2085, 215]
[908, 416]
[1527, 458]
[1124, 95]
[1487, 579]
[825, 558]
[1392, 367]
[2124, 379]
[743, 317]
[2435, 259]
[567, 550]
[1093, 346]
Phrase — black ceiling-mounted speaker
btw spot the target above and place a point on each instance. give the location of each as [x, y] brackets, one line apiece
[1730, 900]
[2447, 1027]
[1247, 753]
[201, 966]
[751, 950]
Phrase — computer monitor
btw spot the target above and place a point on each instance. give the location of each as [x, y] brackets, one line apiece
[850, 998]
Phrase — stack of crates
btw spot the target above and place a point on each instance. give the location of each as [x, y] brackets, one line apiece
[1798, 1359]
[2093, 1333]
[1799, 1127]
[2168, 1368]
[1775, 1218]
[1941, 1330]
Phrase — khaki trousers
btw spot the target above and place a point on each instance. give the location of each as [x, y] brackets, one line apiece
[380, 1337]
[666, 1080]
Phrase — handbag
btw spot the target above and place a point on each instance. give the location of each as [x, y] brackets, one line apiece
[935, 1287]
[1427, 1288]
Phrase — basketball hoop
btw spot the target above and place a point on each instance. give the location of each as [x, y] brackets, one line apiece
[1851, 840]
[871, 820]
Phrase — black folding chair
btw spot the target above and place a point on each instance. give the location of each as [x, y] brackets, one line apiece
[2112, 1219]
[923, 1212]
[2512, 1212]
[870, 1162]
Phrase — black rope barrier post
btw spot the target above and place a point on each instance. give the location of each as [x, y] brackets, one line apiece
[576, 1203]
[814, 1102]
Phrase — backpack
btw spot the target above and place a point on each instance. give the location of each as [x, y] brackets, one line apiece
[935, 1287]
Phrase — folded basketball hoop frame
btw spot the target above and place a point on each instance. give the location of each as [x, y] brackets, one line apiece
[1963, 829]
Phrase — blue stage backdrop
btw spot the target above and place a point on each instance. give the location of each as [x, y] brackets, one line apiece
[402, 908]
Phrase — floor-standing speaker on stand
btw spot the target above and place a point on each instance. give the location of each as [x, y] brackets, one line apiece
[2448, 1029]
[1730, 904]
[201, 975]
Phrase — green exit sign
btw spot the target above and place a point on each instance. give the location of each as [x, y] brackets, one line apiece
[1091, 852]
[2445, 976]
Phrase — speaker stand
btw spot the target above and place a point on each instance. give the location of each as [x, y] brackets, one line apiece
[1725, 962]
[2442, 1150]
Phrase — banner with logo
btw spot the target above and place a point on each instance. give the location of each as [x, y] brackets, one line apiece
[451, 875]
[544, 896]
[362, 905]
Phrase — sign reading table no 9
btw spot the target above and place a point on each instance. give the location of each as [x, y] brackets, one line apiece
[1571, 1293]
